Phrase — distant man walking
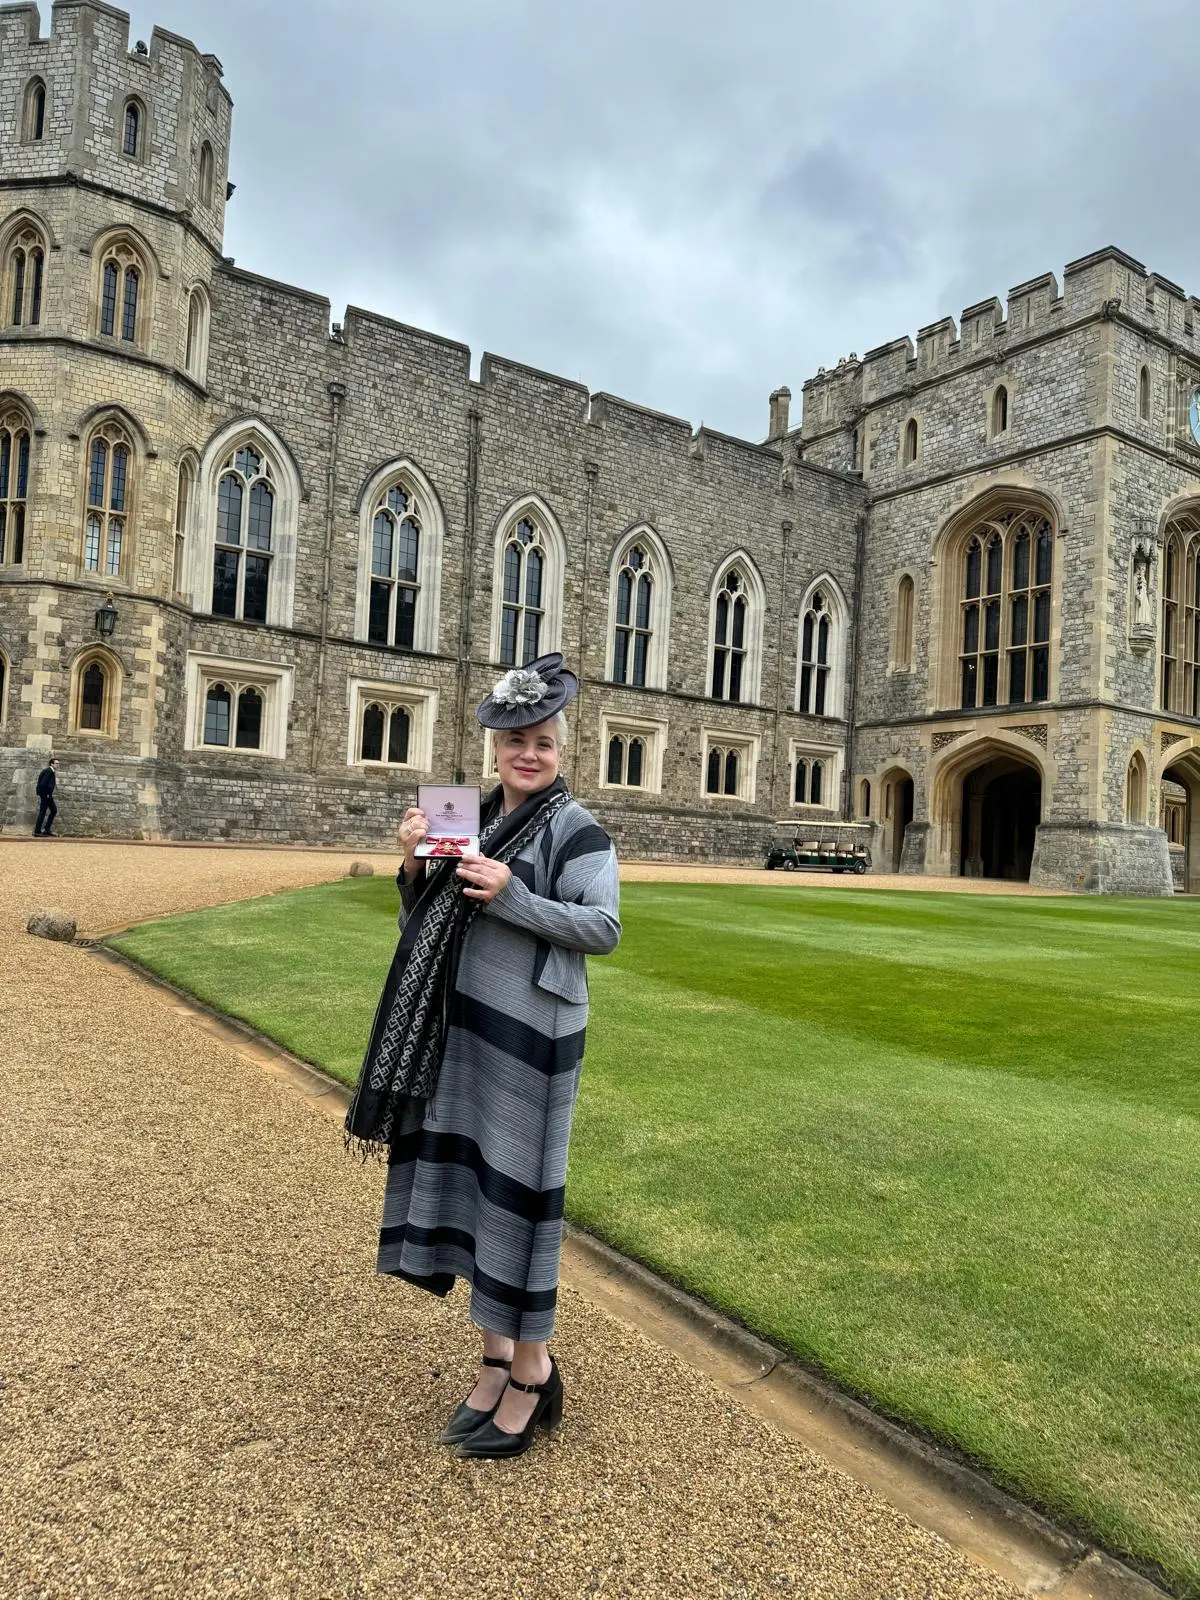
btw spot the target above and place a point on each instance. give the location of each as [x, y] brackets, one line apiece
[47, 779]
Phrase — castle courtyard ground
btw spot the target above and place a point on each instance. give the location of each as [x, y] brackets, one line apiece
[206, 1390]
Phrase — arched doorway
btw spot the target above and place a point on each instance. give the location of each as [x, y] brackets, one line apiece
[1001, 809]
[899, 800]
[1179, 818]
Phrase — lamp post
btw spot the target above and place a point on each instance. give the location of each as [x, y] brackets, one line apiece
[106, 618]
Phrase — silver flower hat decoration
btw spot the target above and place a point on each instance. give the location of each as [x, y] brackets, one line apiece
[527, 695]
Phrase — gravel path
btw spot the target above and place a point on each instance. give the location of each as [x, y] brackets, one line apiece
[204, 1389]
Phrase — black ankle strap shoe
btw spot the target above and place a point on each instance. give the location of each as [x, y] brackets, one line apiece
[466, 1419]
[490, 1443]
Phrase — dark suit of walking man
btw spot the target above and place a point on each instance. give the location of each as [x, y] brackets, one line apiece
[47, 811]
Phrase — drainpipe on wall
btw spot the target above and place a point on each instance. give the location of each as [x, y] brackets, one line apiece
[467, 589]
[852, 708]
[783, 606]
[337, 393]
[593, 472]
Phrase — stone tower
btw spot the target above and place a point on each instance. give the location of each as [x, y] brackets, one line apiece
[114, 165]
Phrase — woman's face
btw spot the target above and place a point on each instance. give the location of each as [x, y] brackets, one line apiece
[527, 758]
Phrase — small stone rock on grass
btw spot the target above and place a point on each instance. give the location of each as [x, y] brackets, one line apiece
[46, 924]
[361, 869]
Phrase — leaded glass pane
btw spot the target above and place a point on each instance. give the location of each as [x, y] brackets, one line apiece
[525, 532]
[731, 772]
[806, 673]
[1016, 677]
[397, 500]
[22, 466]
[112, 565]
[970, 674]
[132, 127]
[406, 618]
[735, 675]
[712, 782]
[634, 775]
[248, 462]
[806, 652]
[639, 660]
[1045, 556]
[96, 476]
[225, 583]
[974, 559]
[970, 630]
[615, 760]
[120, 470]
[995, 565]
[381, 546]
[217, 708]
[624, 596]
[38, 262]
[991, 675]
[18, 302]
[718, 677]
[5, 462]
[91, 545]
[398, 737]
[409, 550]
[823, 641]
[3, 529]
[1041, 618]
[991, 625]
[621, 656]
[1040, 689]
[229, 510]
[378, 614]
[644, 591]
[508, 636]
[533, 579]
[818, 778]
[533, 633]
[129, 311]
[254, 597]
[722, 628]
[372, 734]
[91, 698]
[739, 623]
[18, 533]
[1020, 619]
[822, 685]
[801, 787]
[512, 574]
[39, 114]
[108, 298]
[262, 514]
[1020, 563]
[249, 720]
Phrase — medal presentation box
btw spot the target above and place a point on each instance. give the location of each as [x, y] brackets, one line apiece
[453, 812]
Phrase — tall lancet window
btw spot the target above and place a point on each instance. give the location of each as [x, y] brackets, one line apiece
[245, 520]
[816, 639]
[109, 491]
[730, 637]
[523, 607]
[634, 631]
[14, 486]
[395, 570]
[1007, 567]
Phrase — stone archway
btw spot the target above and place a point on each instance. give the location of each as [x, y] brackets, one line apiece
[1001, 809]
[987, 802]
[1179, 817]
[897, 805]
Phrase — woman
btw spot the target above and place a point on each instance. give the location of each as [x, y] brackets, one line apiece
[470, 1077]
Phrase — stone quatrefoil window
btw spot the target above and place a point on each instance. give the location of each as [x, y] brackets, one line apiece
[233, 716]
[109, 492]
[121, 279]
[634, 632]
[1007, 566]
[26, 278]
[522, 608]
[245, 518]
[395, 570]
[1180, 676]
[386, 733]
[730, 638]
[14, 486]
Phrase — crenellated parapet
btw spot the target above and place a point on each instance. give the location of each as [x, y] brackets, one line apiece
[1105, 284]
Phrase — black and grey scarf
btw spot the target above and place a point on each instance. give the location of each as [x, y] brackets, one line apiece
[408, 1038]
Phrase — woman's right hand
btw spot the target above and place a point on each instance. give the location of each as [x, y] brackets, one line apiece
[414, 826]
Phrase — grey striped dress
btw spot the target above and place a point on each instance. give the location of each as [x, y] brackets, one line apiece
[475, 1180]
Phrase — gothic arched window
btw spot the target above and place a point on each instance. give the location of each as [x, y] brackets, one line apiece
[14, 486]
[634, 618]
[132, 129]
[627, 761]
[1135, 789]
[1144, 394]
[94, 693]
[245, 519]
[395, 570]
[185, 489]
[905, 594]
[523, 605]
[730, 638]
[33, 123]
[195, 357]
[386, 734]
[999, 411]
[233, 716]
[1007, 570]
[723, 771]
[122, 275]
[911, 441]
[206, 174]
[816, 654]
[26, 276]
[109, 496]
[1180, 649]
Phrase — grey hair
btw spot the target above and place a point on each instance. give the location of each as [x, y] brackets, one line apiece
[561, 731]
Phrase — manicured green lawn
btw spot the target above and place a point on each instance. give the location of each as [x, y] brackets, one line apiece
[947, 1148]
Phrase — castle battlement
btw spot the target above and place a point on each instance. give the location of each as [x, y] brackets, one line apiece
[1105, 283]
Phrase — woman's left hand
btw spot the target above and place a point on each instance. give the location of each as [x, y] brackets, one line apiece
[485, 878]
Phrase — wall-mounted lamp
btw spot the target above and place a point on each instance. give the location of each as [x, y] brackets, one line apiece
[106, 618]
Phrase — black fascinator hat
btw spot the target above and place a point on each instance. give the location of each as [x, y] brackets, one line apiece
[528, 695]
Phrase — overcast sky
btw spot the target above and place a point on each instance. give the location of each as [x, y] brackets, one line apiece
[689, 204]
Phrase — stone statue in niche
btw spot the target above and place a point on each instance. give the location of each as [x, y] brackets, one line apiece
[1141, 614]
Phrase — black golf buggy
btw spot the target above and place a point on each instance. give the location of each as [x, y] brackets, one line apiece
[823, 852]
